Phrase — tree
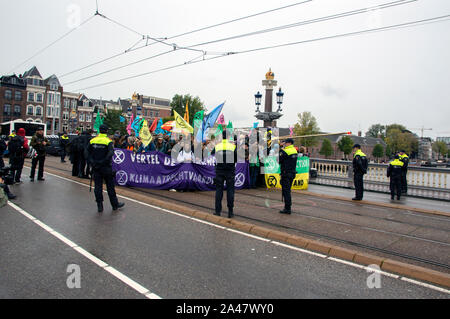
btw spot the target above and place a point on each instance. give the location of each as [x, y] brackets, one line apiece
[378, 151]
[112, 119]
[399, 138]
[306, 125]
[376, 130]
[345, 145]
[326, 149]
[440, 147]
[179, 105]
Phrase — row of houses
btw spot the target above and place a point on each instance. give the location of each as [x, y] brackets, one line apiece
[30, 97]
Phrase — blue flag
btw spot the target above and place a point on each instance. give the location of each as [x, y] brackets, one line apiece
[136, 125]
[208, 122]
[158, 129]
[122, 119]
[255, 125]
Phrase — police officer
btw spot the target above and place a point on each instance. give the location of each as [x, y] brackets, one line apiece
[405, 159]
[99, 154]
[359, 169]
[394, 171]
[63, 143]
[288, 168]
[226, 157]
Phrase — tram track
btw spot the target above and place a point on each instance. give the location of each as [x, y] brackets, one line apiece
[307, 232]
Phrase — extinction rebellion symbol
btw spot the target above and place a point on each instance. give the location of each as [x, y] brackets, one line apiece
[121, 178]
[119, 156]
[272, 181]
[239, 180]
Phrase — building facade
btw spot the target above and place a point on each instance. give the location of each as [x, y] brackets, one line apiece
[35, 96]
[13, 90]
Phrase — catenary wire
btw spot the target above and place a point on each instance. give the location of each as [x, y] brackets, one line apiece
[326, 18]
[356, 33]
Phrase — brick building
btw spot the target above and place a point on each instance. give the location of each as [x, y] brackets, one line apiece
[12, 97]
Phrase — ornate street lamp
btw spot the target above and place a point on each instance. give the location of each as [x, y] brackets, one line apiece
[279, 99]
[258, 97]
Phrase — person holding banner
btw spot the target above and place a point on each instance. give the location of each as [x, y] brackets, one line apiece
[99, 154]
[226, 158]
[288, 164]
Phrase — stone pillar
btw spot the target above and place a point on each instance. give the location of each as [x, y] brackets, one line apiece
[268, 102]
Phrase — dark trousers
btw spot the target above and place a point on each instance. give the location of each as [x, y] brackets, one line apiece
[16, 167]
[2, 164]
[254, 171]
[100, 175]
[359, 185]
[34, 163]
[396, 186]
[404, 182]
[82, 167]
[221, 177]
[75, 164]
[63, 154]
[286, 184]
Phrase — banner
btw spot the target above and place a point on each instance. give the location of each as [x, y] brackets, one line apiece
[272, 173]
[157, 170]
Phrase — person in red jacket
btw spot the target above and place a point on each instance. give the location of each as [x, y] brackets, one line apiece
[18, 149]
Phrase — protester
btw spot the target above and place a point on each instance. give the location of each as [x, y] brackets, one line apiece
[38, 142]
[83, 142]
[18, 148]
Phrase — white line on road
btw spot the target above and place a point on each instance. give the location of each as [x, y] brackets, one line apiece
[130, 282]
[345, 262]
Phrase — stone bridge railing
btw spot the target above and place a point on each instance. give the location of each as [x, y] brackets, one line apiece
[424, 182]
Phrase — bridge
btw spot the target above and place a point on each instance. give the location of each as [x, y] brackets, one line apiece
[167, 244]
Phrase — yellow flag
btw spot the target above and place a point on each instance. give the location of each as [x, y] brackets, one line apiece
[186, 113]
[145, 134]
[182, 124]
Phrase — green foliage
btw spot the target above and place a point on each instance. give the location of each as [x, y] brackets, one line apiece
[306, 125]
[112, 119]
[398, 138]
[441, 148]
[376, 130]
[179, 105]
[378, 151]
[345, 145]
[167, 119]
[326, 149]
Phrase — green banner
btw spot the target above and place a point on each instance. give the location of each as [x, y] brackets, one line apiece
[271, 165]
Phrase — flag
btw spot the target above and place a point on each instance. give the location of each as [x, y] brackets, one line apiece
[219, 130]
[136, 125]
[198, 119]
[122, 119]
[144, 133]
[168, 126]
[186, 113]
[255, 125]
[181, 123]
[154, 125]
[159, 130]
[98, 122]
[221, 119]
[291, 131]
[208, 122]
[230, 130]
[129, 124]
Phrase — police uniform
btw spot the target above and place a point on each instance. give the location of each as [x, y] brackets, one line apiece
[394, 171]
[226, 157]
[359, 169]
[405, 159]
[99, 154]
[63, 142]
[288, 168]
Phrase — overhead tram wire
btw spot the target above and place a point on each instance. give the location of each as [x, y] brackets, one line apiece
[182, 34]
[52, 43]
[356, 33]
[301, 23]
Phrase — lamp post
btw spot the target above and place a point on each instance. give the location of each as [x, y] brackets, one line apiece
[268, 116]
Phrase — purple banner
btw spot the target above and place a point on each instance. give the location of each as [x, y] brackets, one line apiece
[158, 171]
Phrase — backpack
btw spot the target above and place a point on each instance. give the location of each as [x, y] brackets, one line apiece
[15, 146]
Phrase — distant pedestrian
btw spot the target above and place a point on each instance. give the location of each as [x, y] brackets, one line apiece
[99, 154]
[360, 166]
[394, 171]
[288, 168]
[38, 142]
[63, 143]
[3, 148]
[405, 159]
[75, 154]
[83, 143]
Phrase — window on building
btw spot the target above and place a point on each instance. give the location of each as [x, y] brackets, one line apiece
[81, 119]
[65, 128]
[88, 117]
[74, 104]
[8, 95]
[17, 110]
[66, 103]
[38, 110]
[49, 111]
[65, 116]
[30, 97]
[18, 96]
[7, 109]
[39, 97]
[50, 98]
[57, 111]
[30, 110]
[49, 125]
[36, 82]
[53, 86]
[86, 103]
[82, 128]
[58, 99]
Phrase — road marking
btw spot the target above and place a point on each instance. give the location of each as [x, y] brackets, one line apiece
[130, 282]
[153, 296]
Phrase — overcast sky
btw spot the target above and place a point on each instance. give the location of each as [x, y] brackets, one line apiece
[398, 76]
